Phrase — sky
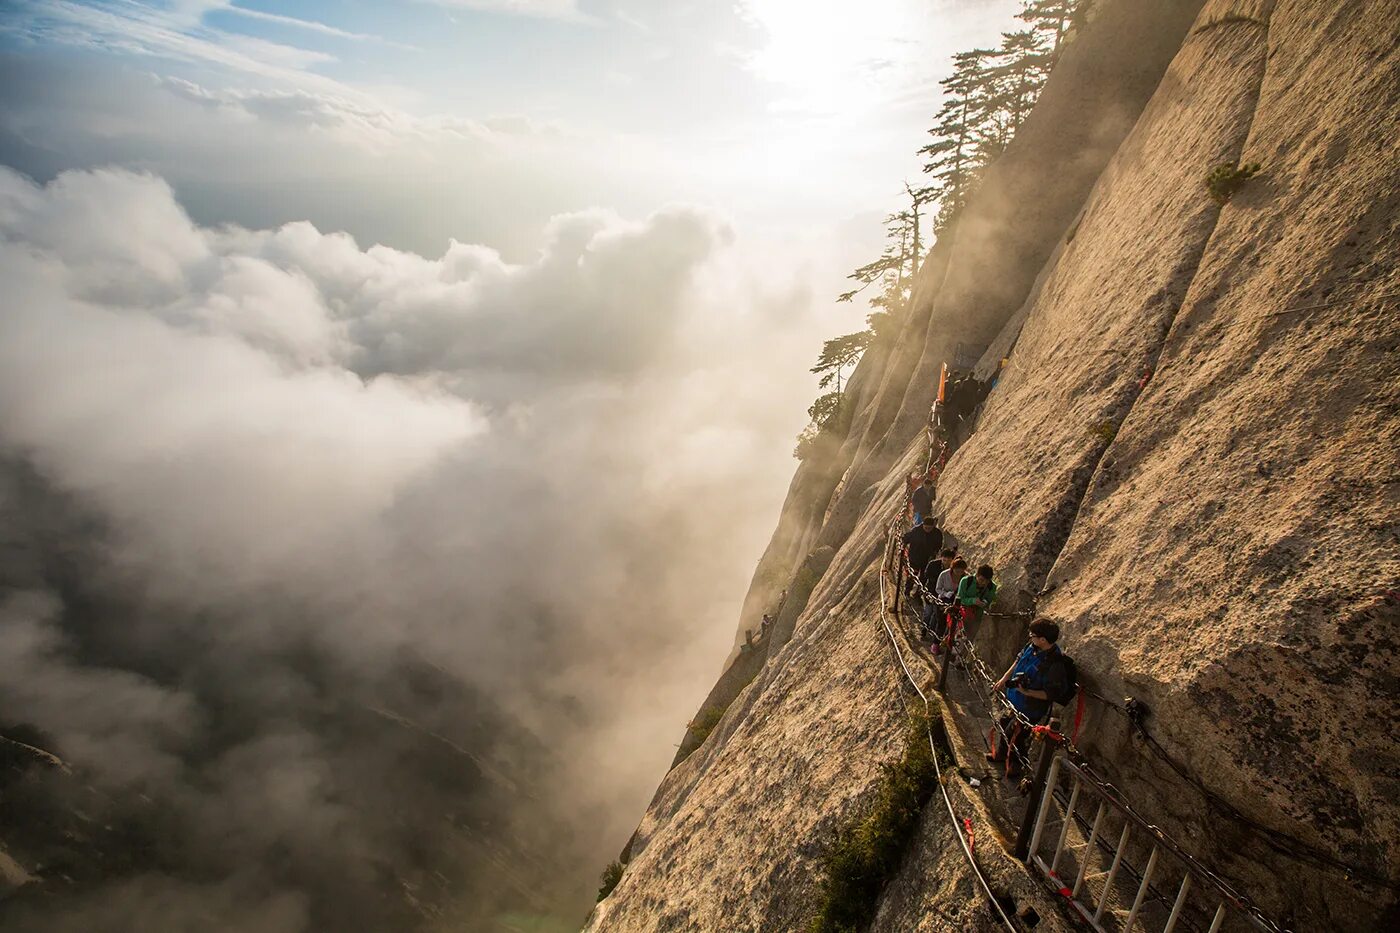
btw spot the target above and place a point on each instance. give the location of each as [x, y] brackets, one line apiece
[480, 120]
[472, 332]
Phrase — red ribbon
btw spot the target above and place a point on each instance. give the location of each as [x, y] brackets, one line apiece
[1078, 716]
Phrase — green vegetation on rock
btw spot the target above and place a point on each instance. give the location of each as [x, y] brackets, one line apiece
[1224, 180]
[868, 850]
[611, 876]
[1106, 431]
[703, 724]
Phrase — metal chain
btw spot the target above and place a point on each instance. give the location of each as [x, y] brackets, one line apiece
[968, 656]
[938, 767]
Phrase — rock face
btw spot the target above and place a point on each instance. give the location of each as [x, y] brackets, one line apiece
[1244, 517]
[1189, 462]
[977, 277]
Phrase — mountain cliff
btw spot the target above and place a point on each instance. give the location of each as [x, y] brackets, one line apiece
[1188, 461]
[429, 781]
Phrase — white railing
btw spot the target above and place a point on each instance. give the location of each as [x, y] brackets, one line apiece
[1086, 864]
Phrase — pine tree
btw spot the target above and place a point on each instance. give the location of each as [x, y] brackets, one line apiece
[951, 157]
[896, 266]
[1056, 20]
[987, 98]
[830, 413]
[1014, 82]
[890, 261]
[1050, 18]
[838, 353]
[918, 197]
[826, 409]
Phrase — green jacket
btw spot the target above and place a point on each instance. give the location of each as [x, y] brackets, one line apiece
[969, 592]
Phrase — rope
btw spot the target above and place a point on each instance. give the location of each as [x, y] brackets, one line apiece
[968, 660]
[965, 842]
[1281, 842]
[1087, 773]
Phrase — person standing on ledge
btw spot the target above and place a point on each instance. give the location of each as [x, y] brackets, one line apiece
[922, 545]
[945, 585]
[1037, 675]
[922, 500]
[975, 594]
[945, 591]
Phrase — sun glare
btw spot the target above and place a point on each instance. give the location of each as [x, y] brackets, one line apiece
[831, 53]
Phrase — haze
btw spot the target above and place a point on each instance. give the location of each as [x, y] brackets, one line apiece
[346, 342]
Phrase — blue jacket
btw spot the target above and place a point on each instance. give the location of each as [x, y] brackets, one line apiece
[1042, 671]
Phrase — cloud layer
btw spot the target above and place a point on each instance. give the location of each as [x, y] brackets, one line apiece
[249, 473]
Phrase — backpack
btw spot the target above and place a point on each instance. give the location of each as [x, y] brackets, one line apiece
[1066, 696]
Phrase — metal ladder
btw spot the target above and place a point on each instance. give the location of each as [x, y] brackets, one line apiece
[1202, 901]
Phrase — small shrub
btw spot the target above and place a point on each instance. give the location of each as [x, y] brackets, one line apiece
[807, 442]
[703, 724]
[1224, 180]
[884, 325]
[611, 876]
[868, 851]
[831, 418]
[1105, 431]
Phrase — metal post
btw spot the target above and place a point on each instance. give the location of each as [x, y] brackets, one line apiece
[1180, 902]
[1113, 871]
[1064, 830]
[1038, 800]
[944, 664]
[1089, 848]
[1041, 814]
[1142, 891]
[1219, 918]
[898, 580]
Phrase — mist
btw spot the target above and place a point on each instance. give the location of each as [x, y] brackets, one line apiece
[359, 589]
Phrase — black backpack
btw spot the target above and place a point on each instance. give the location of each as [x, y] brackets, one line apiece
[1066, 695]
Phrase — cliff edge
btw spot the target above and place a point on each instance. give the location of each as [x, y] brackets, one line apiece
[1189, 462]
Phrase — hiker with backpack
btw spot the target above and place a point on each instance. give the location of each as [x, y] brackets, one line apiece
[974, 595]
[922, 499]
[1040, 676]
[921, 545]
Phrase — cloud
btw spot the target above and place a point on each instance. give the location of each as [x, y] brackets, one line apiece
[265, 156]
[309, 534]
[172, 33]
[134, 726]
[542, 9]
[158, 903]
[307, 24]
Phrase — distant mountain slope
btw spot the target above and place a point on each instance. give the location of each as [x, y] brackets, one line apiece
[169, 783]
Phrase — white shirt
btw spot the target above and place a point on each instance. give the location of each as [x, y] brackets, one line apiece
[945, 589]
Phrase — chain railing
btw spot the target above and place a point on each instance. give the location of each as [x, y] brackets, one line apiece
[958, 827]
[1203, 900]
